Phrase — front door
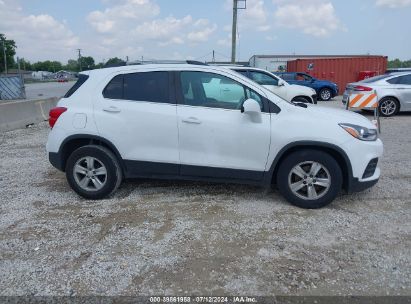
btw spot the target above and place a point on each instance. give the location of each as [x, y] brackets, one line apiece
[215, 138]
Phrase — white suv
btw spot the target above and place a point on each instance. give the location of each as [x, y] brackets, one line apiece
[177, 121]
[280, 87]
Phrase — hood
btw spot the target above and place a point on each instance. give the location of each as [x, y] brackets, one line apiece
[338, 115]
[303, 89]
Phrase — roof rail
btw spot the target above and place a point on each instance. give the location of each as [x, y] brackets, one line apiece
[137, 62]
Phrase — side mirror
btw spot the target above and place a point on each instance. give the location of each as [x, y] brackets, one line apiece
[251, 106]
[281, 83]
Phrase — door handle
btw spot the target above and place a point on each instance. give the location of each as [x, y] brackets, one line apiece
[191, 120]
[226, 90]
[112, 109]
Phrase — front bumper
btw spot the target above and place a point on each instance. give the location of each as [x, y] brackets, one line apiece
[314, 98]
[357, 186]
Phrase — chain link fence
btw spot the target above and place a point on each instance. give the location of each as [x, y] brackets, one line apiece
[12, 87]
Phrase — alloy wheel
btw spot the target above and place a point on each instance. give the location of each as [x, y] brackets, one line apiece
[388, 107]
[90, 173]
[309, 180]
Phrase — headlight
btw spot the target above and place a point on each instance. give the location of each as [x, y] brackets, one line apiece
[361, 133]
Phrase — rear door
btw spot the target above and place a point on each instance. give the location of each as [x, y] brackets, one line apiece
[215, 138]
[137, 113]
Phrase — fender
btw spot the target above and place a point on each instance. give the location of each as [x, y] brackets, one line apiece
[345, 167]
[59, 159]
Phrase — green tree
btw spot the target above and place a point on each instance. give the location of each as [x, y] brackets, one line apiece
[72, 65]
[49, 66]
[396, 63]
[10, 47]
[114, 61]
[87, 63]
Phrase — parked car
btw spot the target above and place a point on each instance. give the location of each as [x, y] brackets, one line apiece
[325, 89]
[280, 87]
[393, 91]
[176, 121]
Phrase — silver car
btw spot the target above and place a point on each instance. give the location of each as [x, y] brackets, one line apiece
[393, 91]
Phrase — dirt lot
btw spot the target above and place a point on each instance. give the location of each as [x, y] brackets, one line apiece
[185, 238]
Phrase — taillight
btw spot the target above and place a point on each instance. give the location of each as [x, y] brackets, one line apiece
[362, 88]
[54, 114]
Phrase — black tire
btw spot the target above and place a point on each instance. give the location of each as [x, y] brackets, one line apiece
[102, 155]
[325, 94]
[388, 106]
[332, 169]
[301, 99]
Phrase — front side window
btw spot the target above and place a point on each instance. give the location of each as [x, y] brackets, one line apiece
[144, 86]
[214, 91]
[263, 79]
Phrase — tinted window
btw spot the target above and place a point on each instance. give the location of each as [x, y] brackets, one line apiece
[147, 86]
[375, 78]
[405, 79]
[114, 89]
[81, 79]
[214, 91]
[263, 79]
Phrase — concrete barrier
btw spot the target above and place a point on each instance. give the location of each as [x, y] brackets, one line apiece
[19, 114]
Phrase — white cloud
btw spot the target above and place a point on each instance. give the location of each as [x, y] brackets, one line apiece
[201, 35]
[393, 3]
[133, 23]
[122, 13]
[38, 37]
[314, 18]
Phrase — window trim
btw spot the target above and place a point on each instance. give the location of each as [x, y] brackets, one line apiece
[180, 97]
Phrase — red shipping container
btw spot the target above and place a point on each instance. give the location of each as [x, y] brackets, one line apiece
[341, 70]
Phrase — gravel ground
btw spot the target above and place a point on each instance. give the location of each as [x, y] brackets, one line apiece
[186, 238]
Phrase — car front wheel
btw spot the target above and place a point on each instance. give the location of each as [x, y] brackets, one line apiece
[309, 178]
[325, 94]
[93, 172]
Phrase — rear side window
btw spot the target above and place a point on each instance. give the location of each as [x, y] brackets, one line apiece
[405, 79]
[143, 86]
[147, 86]
[114, 90]
[81, 79]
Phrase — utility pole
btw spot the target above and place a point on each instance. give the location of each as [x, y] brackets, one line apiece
[5, 58]
[79, 58]
[234, 29]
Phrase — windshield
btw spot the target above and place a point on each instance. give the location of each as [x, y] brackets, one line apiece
[375, 78]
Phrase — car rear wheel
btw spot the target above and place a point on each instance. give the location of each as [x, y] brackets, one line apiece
[388, 107]
[309, 179]
[325, 94]
[93, 172]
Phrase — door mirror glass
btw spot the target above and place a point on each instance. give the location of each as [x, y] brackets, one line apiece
[251, 106]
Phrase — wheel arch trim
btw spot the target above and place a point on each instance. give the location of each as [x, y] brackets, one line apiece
[62, 157]
[346, 167]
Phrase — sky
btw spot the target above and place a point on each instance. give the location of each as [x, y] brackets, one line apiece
[192, 29]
